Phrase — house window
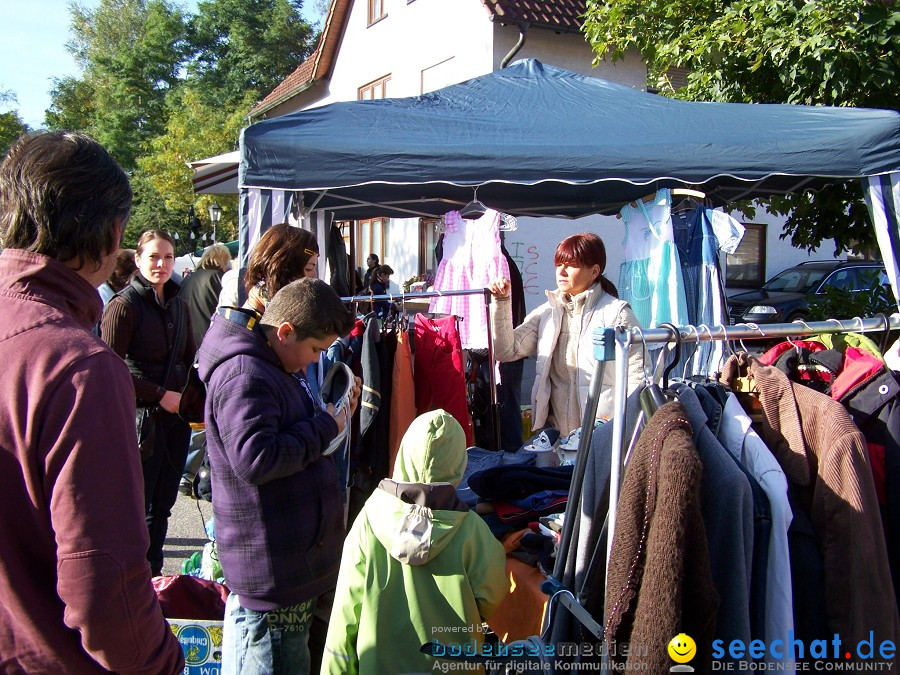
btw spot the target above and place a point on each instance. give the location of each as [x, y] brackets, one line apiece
[746, 267]
[376, 89]
[371, 237]
[427, 239]
[376, 11]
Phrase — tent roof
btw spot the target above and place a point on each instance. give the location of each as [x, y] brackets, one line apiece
[539, 140]
[216, 175]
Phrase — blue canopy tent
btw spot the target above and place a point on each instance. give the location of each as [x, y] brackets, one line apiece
[536, 140]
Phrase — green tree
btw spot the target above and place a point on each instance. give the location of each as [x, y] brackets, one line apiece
[194, 130]
[130, 52]
[71, 105]
[831, 52]
[246, 46]
[11, 125]
[160, 88]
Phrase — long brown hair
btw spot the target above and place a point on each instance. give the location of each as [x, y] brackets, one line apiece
[279, 258]
[585, 250]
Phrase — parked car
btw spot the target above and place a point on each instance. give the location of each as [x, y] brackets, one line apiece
[785, 297]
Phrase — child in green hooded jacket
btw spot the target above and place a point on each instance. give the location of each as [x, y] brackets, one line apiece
[418, 566]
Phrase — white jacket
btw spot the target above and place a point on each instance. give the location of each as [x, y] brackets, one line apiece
[538, 335]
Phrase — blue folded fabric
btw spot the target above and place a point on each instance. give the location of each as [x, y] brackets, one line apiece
[518, 482]
[481, 459]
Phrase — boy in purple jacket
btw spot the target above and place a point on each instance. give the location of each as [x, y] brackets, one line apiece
[276, 502]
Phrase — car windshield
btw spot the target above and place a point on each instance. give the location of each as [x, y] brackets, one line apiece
[796, 280]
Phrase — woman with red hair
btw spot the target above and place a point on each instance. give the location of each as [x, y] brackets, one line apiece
[560, 333]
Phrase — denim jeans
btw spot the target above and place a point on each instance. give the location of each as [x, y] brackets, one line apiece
[266, 643]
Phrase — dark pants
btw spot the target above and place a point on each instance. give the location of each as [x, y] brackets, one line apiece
[162, 473]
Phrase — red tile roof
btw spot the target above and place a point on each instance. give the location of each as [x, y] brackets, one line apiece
[319, 63]
[564, 15]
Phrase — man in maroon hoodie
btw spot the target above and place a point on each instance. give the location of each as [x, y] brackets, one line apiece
[75, 593]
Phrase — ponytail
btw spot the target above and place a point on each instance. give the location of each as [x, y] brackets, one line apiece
[608, 286]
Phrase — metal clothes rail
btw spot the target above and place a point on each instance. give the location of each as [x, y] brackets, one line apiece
[402, 297]
[605, 339]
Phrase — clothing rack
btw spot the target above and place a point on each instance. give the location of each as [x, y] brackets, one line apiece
[605, 339]
[625, 338]
[391, 297]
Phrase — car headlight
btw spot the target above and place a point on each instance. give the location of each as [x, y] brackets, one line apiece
[762, 309]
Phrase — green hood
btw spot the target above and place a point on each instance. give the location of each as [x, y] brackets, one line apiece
[433, 451]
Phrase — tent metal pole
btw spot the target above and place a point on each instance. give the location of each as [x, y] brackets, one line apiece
[495, 408]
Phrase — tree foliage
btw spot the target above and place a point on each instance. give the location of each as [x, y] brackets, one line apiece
[246, 46]
[11, 124]
[160, 88]
[11, 127]
[827, 52]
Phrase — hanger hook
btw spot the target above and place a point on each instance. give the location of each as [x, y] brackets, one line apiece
[647, 375]
[861, 326]
[839, 323]
[692, 357]
[804, 324]
[709, 351]
[751, 326]
[677, 357]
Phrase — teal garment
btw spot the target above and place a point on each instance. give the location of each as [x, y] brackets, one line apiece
[650, 278]
[411, 574]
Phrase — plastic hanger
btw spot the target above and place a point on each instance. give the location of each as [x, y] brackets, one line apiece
[677, 353]
[652, 396]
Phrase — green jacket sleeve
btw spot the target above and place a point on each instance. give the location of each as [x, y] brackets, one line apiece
[341, 656]
[486, 567]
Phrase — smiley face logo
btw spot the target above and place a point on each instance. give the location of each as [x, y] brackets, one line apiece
[682, 648]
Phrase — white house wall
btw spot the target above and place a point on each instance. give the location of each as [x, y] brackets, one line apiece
[569, 51]
[453, 35]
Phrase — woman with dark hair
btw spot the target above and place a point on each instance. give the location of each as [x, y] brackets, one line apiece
[147, 324]
[120, 276]
[561, 331]
[283, 254]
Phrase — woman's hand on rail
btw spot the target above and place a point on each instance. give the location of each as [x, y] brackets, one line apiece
[500, 288]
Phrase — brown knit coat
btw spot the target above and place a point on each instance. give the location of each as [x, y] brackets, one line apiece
[823, 452]
[659, 581]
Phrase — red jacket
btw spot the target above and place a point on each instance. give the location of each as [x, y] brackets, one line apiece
[75, 593]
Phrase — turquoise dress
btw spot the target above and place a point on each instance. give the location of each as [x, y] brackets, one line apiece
[650, 278]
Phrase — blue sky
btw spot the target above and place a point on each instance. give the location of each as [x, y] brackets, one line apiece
[32, 51]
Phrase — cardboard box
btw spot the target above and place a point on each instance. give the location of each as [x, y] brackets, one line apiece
[202, 645]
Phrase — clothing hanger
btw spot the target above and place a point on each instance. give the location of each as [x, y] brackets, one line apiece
[474, 209]
[508, 223]
[646, 199]
[677, 353]
[887, 331]
[652, 396]
[689, 192]
[728, 348]
[692, 357]
[705, 371]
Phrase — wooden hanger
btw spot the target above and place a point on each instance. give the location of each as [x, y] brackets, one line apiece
[688, 192]
[646, 199]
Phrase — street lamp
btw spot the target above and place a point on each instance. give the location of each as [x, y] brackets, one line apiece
[194, 224]
[215, 213]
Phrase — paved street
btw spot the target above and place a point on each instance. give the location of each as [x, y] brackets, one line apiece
[186, 532]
